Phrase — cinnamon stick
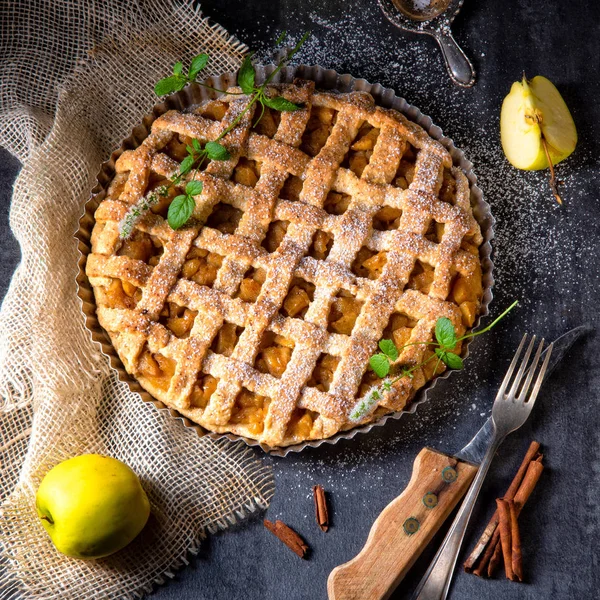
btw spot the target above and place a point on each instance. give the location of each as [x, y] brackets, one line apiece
[515, 536]
[288, 536]
[505, 535]
[532, 476]
[480, 547]
[489, 555]
[321, 513]
[534, 472]
[496, 558]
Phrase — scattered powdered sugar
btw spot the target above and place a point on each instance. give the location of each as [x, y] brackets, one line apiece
[538, 246]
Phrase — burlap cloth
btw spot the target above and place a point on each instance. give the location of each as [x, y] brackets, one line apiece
[76, 76]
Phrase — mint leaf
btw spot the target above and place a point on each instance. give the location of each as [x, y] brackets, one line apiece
[190, 150]
[280, 104]
[449, 359]
[445, 334]
[389, 349]
[180, 210]
[177, 68]
[216, 151]
[380, 364]
[196, 145]
[198, 63]
[454, 361]
[186, 164]
[246, 75]
[168, 85]
[193, 188]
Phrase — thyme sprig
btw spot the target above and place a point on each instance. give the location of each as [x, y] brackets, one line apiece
[383, 362]
[182, 207]
[140, 208]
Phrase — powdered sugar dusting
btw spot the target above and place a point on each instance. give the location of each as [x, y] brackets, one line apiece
[537, 243]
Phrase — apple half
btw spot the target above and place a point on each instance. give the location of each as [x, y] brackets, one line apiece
[536, 125]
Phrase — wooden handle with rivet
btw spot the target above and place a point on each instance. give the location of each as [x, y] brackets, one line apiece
[403, 529]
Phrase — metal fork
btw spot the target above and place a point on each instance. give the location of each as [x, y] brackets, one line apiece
[509, 412]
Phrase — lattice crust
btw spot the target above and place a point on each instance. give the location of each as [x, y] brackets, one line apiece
[328, 228]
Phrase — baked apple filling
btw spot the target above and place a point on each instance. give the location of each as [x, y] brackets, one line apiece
[250, 409]
[274, 354]
[322, 376]
[343, 313]
[251, 284]
[275, 235]
[157, 368]
[260, 285]
[298, 299]
[318, 129]
[368, 263]
[178, 319]
[226, 339]
[201, 266]
[361, 149]
[321, 245]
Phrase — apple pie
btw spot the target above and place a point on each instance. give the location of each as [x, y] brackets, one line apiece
[327, 229]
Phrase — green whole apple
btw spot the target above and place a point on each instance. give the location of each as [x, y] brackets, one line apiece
[92, 506]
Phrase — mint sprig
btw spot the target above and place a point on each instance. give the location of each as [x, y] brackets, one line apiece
[198, 154]
[279, 103]
[182, 206]
[382, 362]
[179, 80]
[141, 207]
[246, 79]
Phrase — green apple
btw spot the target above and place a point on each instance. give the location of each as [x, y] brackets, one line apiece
[92, 505]
[534, 112]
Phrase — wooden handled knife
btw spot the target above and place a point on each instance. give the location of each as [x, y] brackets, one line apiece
[407, 524]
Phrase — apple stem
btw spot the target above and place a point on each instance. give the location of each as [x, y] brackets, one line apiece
[553, 182]
[48, 519]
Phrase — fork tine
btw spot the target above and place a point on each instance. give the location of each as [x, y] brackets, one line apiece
[511, 368]
[534, 364]
[515, 386]
[540, 377]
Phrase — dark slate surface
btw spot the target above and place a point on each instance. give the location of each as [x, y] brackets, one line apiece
[9, 248]
[545, 256]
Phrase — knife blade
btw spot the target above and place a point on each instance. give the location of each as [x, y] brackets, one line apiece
[407, 524]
